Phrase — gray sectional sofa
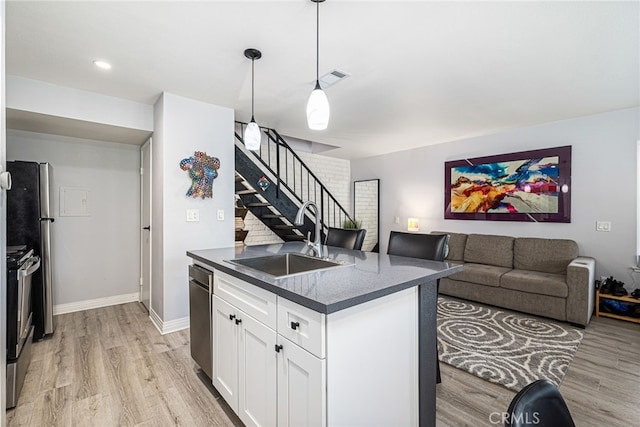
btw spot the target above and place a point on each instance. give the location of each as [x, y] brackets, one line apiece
[544, 277]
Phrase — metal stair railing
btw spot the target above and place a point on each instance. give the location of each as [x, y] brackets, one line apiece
[294, 175]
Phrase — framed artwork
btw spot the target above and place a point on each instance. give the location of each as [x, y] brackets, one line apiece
[533, 186]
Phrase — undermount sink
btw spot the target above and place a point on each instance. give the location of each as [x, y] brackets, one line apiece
[285, 264]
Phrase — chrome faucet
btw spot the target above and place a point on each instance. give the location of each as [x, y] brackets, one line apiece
[316, 245]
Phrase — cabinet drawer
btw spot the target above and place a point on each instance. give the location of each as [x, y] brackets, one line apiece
[303, 326]
[255, 301]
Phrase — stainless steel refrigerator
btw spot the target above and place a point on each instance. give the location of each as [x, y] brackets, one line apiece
[29, 221]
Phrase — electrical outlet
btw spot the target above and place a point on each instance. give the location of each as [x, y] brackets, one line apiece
[193, 215]
[603, 226]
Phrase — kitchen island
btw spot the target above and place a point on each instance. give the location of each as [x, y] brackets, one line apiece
[353, 344]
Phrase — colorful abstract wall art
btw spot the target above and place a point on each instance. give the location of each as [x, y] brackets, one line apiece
[524, 186]
[203, 169]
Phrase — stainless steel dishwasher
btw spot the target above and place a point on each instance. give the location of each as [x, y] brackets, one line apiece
[200, 289]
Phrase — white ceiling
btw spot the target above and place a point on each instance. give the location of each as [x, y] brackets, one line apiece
[421, 72]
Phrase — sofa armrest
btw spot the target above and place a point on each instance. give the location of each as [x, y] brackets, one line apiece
[580, 280]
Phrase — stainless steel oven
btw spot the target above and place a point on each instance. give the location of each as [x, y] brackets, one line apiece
[21, 265]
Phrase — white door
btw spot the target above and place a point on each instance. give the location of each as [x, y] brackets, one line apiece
[301, 387]
[145, 220]
[225, 351]
[257, 398]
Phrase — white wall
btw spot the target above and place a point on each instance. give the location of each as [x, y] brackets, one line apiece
[603, 186]
[93, 256]
[46, 98]
[183, 126]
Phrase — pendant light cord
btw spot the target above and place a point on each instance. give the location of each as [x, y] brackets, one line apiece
[317, 41]
[252, 84]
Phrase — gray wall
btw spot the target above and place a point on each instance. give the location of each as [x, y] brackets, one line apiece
[94, 256]
[604, 170]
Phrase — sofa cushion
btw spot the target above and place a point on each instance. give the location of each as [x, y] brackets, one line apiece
[457, 242]
[534, 282]
[488, 275]
[488, 249]
[546, 255]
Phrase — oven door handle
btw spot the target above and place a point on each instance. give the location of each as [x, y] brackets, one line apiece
[35, 265]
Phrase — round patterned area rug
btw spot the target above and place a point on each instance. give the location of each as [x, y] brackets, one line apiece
[504, 347]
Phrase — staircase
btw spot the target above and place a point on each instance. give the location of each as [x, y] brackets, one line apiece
[274, 182]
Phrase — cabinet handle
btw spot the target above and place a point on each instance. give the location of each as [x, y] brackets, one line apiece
[238, 321]
[295, 325]
[278, 348]
[232, 316]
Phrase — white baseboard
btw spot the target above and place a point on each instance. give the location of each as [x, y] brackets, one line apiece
[72, 307]
[156, 320]
[169, 326]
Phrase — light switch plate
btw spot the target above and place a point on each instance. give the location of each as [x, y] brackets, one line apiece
[603, 225]
[220, 214]
[193, 215]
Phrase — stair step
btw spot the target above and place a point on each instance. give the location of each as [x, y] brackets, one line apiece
[257, 205]
[272, 216]
[246, 191]
[285, 227]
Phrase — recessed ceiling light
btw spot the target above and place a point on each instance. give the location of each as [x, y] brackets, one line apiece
[102, 64]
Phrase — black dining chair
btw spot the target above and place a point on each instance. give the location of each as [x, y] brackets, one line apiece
[540, 404]
[424, 246]
[345, 238]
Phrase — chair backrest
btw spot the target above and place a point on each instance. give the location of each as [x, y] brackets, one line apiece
[424, 246]
[345, 238]
[540, 404]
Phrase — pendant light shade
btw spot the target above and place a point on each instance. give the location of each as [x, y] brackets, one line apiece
[318, 105]
[318, 109]
[252, 134]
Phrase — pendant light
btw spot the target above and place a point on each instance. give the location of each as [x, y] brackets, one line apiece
[252, 134]
[318, 104]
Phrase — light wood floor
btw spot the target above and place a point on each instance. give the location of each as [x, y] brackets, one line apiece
[111, 367]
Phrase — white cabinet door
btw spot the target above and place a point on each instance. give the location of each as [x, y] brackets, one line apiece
[225, 351]
[301, 387]
[257, 373]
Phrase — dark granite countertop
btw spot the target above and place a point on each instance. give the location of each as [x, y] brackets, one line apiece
[364, 277]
